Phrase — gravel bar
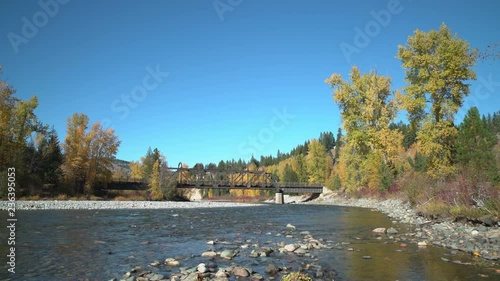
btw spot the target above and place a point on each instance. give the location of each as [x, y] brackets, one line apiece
[101, 205]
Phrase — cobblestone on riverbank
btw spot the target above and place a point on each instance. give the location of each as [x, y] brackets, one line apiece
[478, 240]
[99, 205]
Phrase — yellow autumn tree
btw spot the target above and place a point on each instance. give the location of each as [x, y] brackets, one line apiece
[154, 182]
[316, 162]
[438, 64]
[367, 108]
[136, 170]
[75, 148]
[88, 156]
[102, 147]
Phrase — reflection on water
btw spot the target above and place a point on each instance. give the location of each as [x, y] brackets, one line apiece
[100, 245]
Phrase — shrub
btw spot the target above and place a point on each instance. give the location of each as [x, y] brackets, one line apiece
[417, 186]
[434, 209]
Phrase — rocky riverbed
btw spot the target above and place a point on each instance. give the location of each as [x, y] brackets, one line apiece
[478, 240]
[224, 260]
[99, 205]
[137, 242]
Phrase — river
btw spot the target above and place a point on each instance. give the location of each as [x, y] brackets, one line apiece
[104, 244]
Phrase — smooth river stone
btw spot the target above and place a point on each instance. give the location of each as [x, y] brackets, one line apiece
[240, 272]
[209, 254]
[290, 247]
[379, 230]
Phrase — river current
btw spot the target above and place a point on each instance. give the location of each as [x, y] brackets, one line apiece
[104, 244]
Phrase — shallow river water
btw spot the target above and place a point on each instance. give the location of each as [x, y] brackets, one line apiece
[104, 244]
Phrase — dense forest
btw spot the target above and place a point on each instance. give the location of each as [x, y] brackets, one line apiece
[440, 166]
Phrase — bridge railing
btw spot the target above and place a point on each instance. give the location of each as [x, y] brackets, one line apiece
[219, 178]
[299, 184]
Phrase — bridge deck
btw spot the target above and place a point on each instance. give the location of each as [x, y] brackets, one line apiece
[224, 179]
[285, 188]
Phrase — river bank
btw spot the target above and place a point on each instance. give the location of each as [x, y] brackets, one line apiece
[114, 205]
[325, 242]
[478, 240]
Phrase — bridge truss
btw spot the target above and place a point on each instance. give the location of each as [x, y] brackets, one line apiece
[223, 179]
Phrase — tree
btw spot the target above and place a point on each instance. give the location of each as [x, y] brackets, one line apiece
[211, 166]
[75, 162]
[316, 162]
[474, 146]
[254, 161]
[43, 157]
[155, 182]
[386, 177]
[102, 147]
[338, 144]
[409, 134]
[148, 161]
[367, 108]
[23, 122]
[301, 168]
[17, 123]
[88, 156]
[437, 142]
[289, 175]
[327, 140]
[493, 123]
[199, 166]
[419, 163]
[437, 64]
[136, 170]
[161, 181]
[221, 165]
[336, 183]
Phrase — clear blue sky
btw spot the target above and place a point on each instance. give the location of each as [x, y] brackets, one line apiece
[230, 77]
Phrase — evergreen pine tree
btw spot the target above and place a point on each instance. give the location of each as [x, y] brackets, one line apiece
[474, 146]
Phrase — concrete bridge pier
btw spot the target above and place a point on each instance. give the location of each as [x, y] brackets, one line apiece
[280, 198]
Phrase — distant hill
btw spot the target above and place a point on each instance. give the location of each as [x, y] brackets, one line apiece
[122, 168]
